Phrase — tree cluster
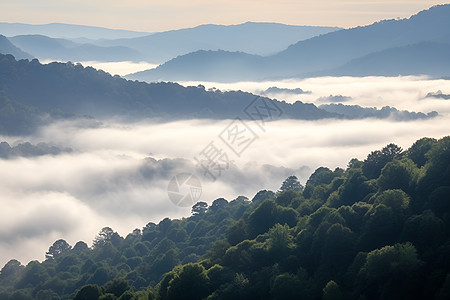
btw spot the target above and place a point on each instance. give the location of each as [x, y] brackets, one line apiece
[377, 230]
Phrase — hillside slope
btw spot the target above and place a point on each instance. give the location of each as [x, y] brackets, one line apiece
[46, 48]
[6, 47]
[376, 230]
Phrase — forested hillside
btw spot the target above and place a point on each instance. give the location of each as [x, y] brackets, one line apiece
[377, 230]
[34, 94]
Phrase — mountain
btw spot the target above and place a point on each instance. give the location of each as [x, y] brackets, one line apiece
[326, 52]
[99, 44]
[46, 48]
[376, 230]
[357, 112]
[29, 150]
[78, 90]
[17, 118]
[215, 65]
[69, 31]
[250, 37]
[335, 49]
[426, 58]
[6, 47]
[32, 94]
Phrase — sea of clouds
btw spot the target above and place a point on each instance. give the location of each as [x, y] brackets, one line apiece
[117, 174]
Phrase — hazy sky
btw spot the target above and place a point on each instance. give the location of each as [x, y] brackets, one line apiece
[151, 15]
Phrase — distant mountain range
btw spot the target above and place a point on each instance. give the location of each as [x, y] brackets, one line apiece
[251, 37]
[7, 47]
[425, 58]
[68, 31]
[45, 42]
[32, 94]
[419, 45]
[359, 51]
[46, 48]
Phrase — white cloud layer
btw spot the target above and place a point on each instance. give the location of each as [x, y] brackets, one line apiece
[118, 173]
[121, 68]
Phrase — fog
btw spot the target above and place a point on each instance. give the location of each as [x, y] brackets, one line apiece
[121, 68]
[404, 93]
[117, 174]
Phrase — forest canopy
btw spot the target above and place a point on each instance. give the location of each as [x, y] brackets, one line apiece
[378, 229]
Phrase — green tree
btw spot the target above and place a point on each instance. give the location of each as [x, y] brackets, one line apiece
[321, 176]
[437, 168]
[47, 295]
[57, 249]
[263, 218]
[354, 163]
[80, 247]
[117, 287]
[89, 292]
[286, 286]
[376, 160]
[338, 250]
[263, 195]
[11, 272]
[217, 251]
[391, 272]
[199, 208]
[398, 200]
[218, 204]
[382, 227]
[417, 152]
[237, 288]
[280, 241]
[34, 275]
[354, 189]
[332, 291]
[399, 175]
[189, 282]
[425, 231]
[291, 183]
[107, 235]
[237, 232]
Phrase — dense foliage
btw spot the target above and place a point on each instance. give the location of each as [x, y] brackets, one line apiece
[377, 230]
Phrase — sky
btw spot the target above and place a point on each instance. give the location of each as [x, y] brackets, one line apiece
[153, 16]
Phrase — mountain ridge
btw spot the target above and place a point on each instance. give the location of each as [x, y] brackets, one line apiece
[159, 47]
[63, 30]
[249, 37]
[46, 48]
[33, 91]
[6, 47]
[321, 53]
